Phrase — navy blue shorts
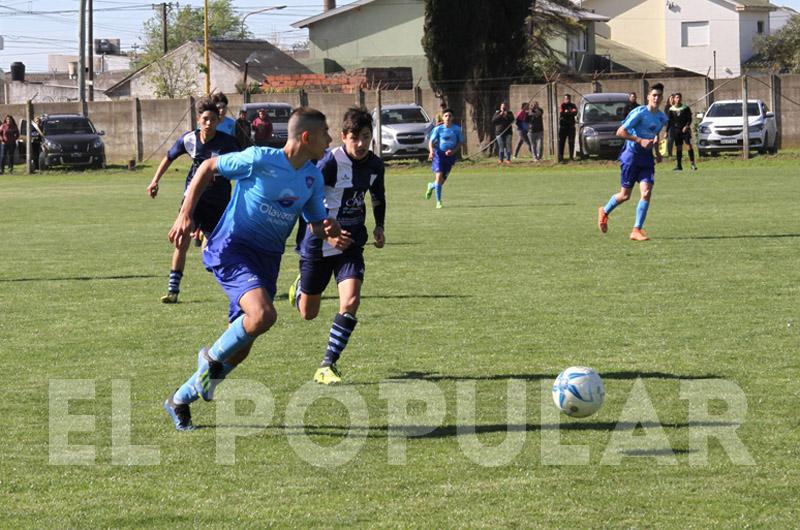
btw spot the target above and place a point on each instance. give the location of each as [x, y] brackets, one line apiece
[316, 273]
[206, 216]
[631, 174]
[244, 271]
[443, 163]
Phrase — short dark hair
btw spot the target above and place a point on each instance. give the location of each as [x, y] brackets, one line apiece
[446, 110]
[219, 97]
[568, 96]
[678, 94]
[304, 119]
[632, 94]
[356, 119]
[206, 104]
[657, 86]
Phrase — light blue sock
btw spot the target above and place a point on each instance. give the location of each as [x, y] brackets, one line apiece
[234, 339]
[611, 204]
[438, 192]
[641, 213]
[187, 393]
[431, 185]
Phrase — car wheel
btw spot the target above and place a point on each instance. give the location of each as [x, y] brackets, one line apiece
[702, 152]
[773, 149]
[764, 145]
[42, 163]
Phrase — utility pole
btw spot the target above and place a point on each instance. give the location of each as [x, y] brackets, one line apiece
[205, 47]
[82, 57]
[164, 44]
[91, 50]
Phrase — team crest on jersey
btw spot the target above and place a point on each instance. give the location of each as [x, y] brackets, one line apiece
[309, 182]
[287, 198]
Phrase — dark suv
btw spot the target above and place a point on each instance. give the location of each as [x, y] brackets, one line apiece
[64, 140]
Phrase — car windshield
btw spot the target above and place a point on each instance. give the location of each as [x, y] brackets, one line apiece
[275, 114]
[603, 111]
[731, 110]
[412, 115]
[68, 126]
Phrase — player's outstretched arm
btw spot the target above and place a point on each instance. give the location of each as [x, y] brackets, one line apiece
[152, 188]
[183, 224]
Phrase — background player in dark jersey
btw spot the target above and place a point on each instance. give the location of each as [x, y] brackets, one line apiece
[350, 171]
[679, 129]
[201, 144]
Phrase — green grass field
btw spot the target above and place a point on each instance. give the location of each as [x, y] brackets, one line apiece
[499, 291]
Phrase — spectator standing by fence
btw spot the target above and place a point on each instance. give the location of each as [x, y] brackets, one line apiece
[9, 133]
[566, 127]
[262, 128]
[523, 125]
[243, 130]
[502, 121]
[536, 130]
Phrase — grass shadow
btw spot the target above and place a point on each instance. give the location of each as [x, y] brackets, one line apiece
[745, 236]
[622, 375]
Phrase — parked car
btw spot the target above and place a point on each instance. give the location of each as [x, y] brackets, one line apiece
[64, 140]
[278, 114]
[404, 131]
[599, 117]
[721, 126]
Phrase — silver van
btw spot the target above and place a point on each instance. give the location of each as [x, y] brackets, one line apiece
[599, 117]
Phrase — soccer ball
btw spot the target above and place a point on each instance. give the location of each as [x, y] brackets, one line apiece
[578, 392]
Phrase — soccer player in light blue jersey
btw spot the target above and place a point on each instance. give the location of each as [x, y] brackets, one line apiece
[640, 131]
[274, 186]
[443, 148]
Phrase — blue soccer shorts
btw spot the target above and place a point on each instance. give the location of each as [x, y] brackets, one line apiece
[316, 273]
[443, 163]
[632, 174]
[244, 271]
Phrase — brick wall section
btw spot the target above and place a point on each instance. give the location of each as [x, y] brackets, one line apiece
[345, 82]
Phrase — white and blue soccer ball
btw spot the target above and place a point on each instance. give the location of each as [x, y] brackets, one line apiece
[578, 392]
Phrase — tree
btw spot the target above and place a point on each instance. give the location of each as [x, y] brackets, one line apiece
[474, 51]
[175, 76]
[186, 23]
[782, 49]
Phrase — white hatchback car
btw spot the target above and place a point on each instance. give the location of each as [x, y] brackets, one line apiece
[720, 128]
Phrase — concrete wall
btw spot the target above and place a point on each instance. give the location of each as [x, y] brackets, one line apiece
[161, 122]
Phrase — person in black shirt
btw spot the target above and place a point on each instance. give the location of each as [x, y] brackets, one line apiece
[502, 121]
[536, 130]
[631, 104]
[566, 127]
[680, 130]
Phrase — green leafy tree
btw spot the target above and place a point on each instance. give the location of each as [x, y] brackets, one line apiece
[782, 49]
[175, 76]
[186, 23]
[477, 48]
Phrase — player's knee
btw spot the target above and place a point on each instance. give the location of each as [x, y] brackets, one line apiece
[261, 319]
[349, 304]
[309, 313]
[622, 197]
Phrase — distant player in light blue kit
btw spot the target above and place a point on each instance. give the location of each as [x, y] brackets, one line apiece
[442, 151]
[226, 123]
[640, 130]
[274, 186]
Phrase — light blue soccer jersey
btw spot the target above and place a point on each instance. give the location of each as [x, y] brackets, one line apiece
[644, 124]
[228, 126]
[447, 137]
[268, 197]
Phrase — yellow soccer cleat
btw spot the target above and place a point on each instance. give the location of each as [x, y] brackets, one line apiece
[170, 298]
[328, 375]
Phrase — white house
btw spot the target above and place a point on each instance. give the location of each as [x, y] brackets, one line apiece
[780, 17]
[703, 36]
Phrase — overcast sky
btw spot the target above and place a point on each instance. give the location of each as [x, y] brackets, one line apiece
[53, 28]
